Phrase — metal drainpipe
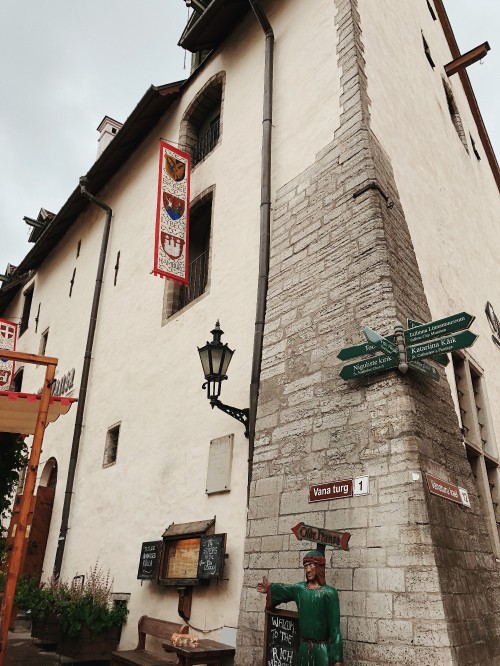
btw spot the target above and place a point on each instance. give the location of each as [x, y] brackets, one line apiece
[265, 230]
[82, 395]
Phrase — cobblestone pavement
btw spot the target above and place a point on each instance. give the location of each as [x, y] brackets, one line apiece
[23, 651]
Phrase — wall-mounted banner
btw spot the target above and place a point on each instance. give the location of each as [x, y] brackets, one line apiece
[172, 214]
[8, 337]
[447, 490]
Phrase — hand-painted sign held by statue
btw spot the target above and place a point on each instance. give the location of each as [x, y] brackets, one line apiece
[319, 612]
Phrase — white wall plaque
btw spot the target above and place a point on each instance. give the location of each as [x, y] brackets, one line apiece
[220, 458]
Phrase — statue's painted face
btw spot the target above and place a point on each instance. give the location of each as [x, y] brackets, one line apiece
[310, 571]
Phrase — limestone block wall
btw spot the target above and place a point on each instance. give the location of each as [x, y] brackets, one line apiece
[419, 584]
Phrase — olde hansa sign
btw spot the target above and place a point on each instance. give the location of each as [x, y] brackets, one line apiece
[172, 215]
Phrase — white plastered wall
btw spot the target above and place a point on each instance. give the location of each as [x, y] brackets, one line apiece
[146, 376]
[450, 199]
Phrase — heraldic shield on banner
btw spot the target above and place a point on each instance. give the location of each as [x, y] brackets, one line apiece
[172, 214]
[8, 337]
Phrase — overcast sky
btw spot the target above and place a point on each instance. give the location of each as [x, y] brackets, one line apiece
[66, 64]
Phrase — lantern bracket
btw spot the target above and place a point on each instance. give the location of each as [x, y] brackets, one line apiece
[240, 415]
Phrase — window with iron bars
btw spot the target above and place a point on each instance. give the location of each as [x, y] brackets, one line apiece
[479, 441]
[207, 142]
[178, 296]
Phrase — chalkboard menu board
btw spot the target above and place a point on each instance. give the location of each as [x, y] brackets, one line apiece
[211, 558]
[281, 638]
[150, 558]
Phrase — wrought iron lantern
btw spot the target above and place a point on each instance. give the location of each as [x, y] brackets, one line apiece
[215, 359]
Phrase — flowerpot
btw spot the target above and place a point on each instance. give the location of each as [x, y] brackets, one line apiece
[85, 647]
[46, 629]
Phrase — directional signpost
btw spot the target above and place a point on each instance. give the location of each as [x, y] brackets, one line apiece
[426, 369]
[360, 350]
[406, 348]
[442, 345]
[439, 328]
[381, 343]
[442, 359]
[368, 366]
[338, 540]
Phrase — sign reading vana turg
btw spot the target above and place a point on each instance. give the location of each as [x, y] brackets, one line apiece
[172, 214]
[332, 490]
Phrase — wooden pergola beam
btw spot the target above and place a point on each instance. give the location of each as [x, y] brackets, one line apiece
[466, 59]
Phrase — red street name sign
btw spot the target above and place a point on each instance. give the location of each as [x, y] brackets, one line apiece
[332, 490]
[444, 489]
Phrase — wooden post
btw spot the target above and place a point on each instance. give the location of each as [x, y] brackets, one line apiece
[20, 539]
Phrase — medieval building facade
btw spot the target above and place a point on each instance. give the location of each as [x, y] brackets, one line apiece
[373, 168]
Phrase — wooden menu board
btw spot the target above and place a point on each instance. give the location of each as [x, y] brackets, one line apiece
[183, 558]
[211, 560]
[149, 560]
[281, 638]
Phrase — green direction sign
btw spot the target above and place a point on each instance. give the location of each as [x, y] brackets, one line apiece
[436, 329]
[381, 343]
[425, 368]
[442, 359]
[368, 366]
[444, 345]
[360, 350]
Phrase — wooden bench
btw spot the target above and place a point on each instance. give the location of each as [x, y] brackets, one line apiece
[149, 626]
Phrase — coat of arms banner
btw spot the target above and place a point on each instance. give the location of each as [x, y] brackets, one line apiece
[8, 337]
[172, 214]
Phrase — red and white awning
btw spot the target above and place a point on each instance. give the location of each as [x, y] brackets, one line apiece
[19, 411]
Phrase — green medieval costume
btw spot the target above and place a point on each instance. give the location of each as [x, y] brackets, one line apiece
[319, 621]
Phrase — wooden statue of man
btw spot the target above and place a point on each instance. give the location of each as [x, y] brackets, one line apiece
[319, 612]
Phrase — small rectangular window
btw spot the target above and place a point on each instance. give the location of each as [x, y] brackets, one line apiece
[28, 300]
[43, 342]
[111, 447]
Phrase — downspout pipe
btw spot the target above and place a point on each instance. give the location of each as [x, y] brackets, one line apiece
[265, 229]
[82, 395]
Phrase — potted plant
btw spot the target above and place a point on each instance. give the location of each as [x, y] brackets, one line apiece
[89, 621]
[39, 601]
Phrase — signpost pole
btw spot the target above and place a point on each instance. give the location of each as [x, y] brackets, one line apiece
[20, 540]
[400, 343]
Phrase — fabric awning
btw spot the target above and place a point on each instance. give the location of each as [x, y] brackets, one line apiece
[19, 411]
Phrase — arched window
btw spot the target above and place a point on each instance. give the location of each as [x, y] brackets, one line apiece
[49, 474]
[201, 126]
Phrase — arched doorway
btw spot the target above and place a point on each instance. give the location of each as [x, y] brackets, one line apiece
[42, 514]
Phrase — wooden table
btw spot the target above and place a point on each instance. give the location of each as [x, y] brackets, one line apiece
[207, 652]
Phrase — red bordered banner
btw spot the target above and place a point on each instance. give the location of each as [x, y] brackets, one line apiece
[8, 339]
[172, 214]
